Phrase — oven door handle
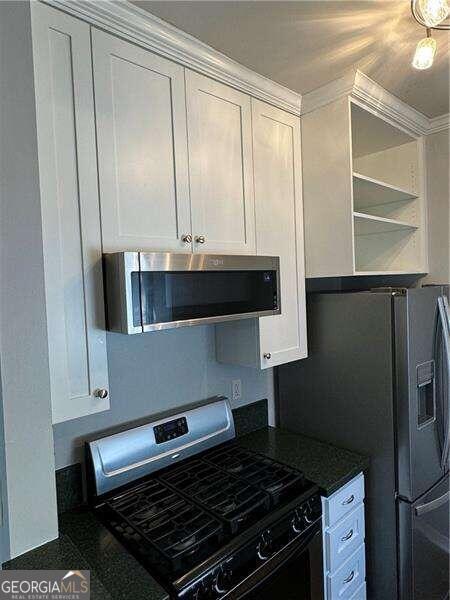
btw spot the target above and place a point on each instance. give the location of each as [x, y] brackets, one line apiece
[267, 569]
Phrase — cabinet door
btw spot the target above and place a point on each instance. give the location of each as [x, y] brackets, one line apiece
[220, 166]
[279, 232]
[70, 213]
[279, 228]
[142, 151]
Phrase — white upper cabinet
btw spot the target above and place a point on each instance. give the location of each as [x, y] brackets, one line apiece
[220, 166]
[278, 339]
[142, 150]
[279, 226]
[165, 160]
[70, 214]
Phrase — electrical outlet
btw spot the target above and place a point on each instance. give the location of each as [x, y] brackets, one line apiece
[236, 390]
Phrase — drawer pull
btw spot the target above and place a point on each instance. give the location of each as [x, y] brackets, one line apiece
[349, 500]
[348, 536]
[350, 577]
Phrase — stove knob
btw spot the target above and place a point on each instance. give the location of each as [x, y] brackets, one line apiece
[200, 592]
[308, 514]
[297, 522]
[264, 547]
[222, 581]
[196, 594]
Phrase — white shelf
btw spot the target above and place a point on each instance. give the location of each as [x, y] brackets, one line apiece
[371, 133]
[368, 192]
[370, 224]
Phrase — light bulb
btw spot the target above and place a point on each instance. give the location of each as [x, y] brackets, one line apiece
[434, 11]
[424, 55]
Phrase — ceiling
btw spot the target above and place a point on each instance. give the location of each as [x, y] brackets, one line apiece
[305, 43]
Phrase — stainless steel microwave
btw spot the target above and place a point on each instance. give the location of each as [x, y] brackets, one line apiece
[147, 291]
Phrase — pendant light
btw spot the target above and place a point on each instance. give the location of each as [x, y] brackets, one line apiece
[431, 14]
[425, 52]
[433, 11]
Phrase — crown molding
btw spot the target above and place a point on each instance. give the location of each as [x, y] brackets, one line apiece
[328, 93]
[140, 27]
[378, 100]
[382, 102]
[441, 123]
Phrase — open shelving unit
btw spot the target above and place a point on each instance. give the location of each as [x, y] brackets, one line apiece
[363, 181]
[387, 204]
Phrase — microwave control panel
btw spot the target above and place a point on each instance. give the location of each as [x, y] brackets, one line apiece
[170, 430]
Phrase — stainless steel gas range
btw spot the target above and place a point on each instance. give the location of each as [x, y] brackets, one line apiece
[207, 517]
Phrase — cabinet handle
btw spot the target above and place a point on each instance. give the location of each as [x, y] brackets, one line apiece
[349, 500]
[200, 239]
[101, 393]
[187, 238]
[350, 577]
[267, 355]
[348, 536]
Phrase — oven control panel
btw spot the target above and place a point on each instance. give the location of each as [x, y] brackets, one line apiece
[170, 430]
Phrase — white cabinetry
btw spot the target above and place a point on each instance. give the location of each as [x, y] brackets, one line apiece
[142, 150]
[180, 159]
[364, 193]
[220, 166]
[343, 542]
[274, 340]
[70, 214]
[148, 118]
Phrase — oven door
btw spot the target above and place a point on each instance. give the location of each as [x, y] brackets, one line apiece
[294, 573]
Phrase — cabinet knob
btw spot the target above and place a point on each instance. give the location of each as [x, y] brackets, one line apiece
[101, 393]
[267, 355]
[200, 239]
[187, 238]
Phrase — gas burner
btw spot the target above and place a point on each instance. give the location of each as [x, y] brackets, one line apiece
[226, 496]
[272, 477]
[172, 525]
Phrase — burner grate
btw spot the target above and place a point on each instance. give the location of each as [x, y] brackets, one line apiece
[232, 499]
[274, 478]
[172, 525]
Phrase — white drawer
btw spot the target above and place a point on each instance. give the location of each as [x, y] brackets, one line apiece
[343, 501]
[348, 579]
[344, 538]
[360, 593]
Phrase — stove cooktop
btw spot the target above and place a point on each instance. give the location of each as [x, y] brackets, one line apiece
[177, 518]
[199, 511]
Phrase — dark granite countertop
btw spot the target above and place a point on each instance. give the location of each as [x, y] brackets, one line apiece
[84, 543]
[327, 466]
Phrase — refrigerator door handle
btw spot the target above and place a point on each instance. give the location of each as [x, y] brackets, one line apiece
[444, 321]
[429, 506]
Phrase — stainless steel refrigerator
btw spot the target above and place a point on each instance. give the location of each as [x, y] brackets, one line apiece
[377, 381]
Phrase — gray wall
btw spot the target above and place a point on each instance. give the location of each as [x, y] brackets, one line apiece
[157, 371]
[438, 198]
[28, 468]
